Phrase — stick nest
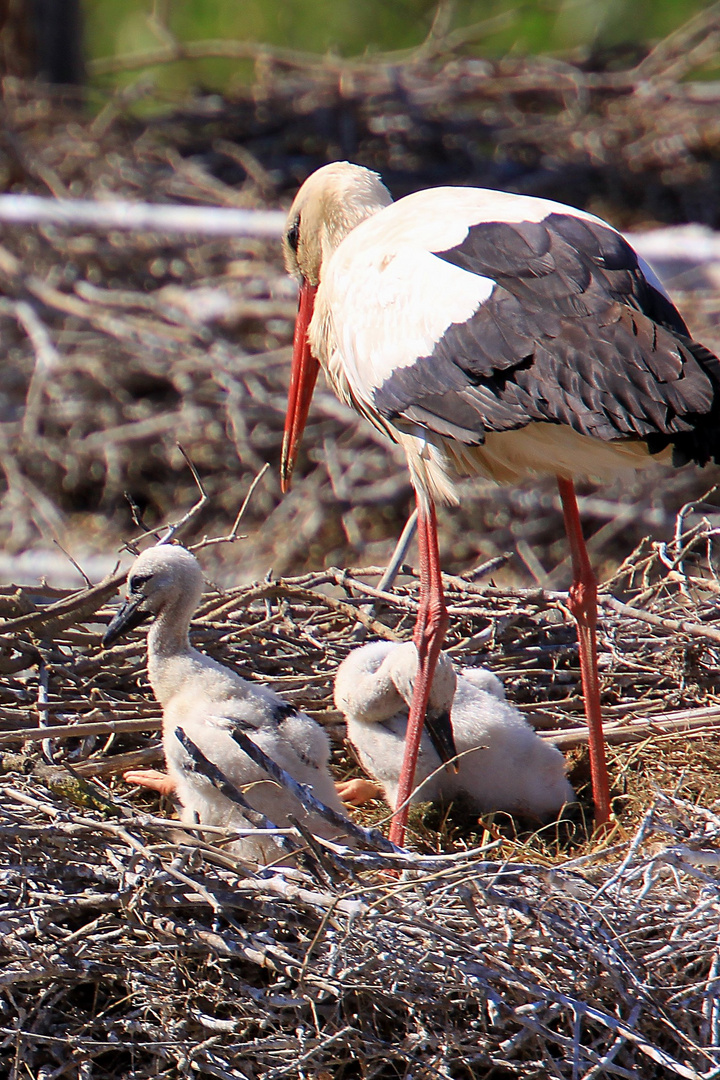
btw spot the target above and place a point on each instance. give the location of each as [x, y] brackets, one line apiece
[132, 948]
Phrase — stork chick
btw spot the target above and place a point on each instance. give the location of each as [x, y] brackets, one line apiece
[509, 766]
[207, 701]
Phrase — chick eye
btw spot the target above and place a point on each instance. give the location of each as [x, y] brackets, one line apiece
[293, 235]
[136, 583]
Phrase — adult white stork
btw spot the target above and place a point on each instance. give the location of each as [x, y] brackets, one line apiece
[497, 335]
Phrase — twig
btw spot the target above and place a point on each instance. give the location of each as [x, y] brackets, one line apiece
[233, 534]
[678, 625]
[119, 763]
[647, 727]
[47, 359]
[137, 517]
[246, 50]
[281, 587]
[76, 608]
[81, 730]
[172, 530]
[366, 837]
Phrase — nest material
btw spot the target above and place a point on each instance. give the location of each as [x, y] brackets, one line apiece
[127, 957]
[134, 949]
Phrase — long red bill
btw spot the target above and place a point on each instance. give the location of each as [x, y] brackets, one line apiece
[303, 377]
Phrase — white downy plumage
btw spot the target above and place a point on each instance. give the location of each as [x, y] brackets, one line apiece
[206, 700]
[510, 766]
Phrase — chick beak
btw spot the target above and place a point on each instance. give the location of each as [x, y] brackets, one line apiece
[439, 728]
[127, 618]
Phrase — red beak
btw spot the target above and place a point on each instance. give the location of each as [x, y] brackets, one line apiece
[303, 377]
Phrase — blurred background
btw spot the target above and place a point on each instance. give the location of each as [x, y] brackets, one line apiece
[151, 340]
[347, 29]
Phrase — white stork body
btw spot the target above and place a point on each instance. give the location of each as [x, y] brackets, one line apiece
[206, 701]
[498, 335]
[504, 764]
[387, 298]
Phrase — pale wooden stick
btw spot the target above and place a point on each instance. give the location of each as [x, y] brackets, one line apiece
[667, 724]
[141, 217]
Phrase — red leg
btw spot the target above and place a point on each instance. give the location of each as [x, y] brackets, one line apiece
[583, 605]
[429, 635]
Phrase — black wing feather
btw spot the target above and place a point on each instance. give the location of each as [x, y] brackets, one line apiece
[573, 333]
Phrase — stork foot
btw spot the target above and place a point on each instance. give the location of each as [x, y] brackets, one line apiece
[152, 779]
[358, 791]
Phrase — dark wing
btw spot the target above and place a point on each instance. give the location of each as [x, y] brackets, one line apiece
[573, 333]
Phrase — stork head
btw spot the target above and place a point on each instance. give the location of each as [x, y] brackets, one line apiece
[331, 202]
[165, 577]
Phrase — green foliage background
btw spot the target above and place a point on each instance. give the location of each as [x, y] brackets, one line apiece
[362, 27]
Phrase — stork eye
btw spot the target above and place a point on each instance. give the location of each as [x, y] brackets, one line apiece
[136, 583]
[293, 235]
